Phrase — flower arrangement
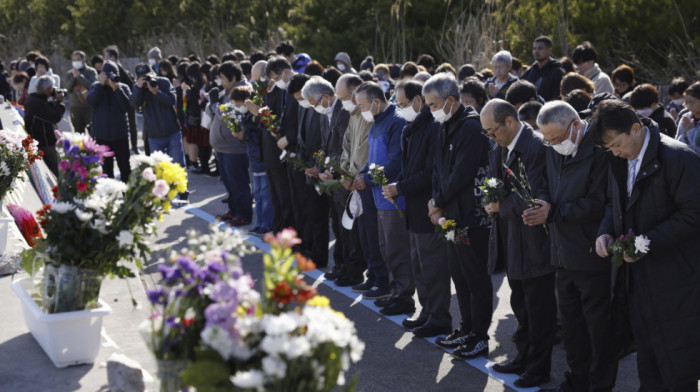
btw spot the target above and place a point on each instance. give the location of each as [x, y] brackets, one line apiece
[493, 191]
[293, 159]
[269, 122]
[17, 151]
[230, 117]
[289, 339]
[259, 93]
[522, 187]
[447, 229]
[379, 179]
[27, 224]
[631, 245]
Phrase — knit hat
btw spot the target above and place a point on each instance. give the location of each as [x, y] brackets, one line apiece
[109, 67]
[154, 52]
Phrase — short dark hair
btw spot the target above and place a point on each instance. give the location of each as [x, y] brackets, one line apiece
[297, 83]
[516, 64]
[246, 67]
[231, 70]
[285, 48]
[193, 72]
[167, 66]
[366, 76]
[520, 92]
[181, 69]
[678, 86]
[612, 115]
[79, 53]
[173, 59]
[623, 73]
[475, 88]
[228, 56]
[411, 88]
[256, 56]
[194, 58]
[502, 110]
[112, 50]
[529, 111]
[20, 77]
[567, 64]
[408, 69]
[545, 40]
[466, 71]
[584, 52]
[31, 56]
[314, 68]
[97, 59]
[213, 59]
[644, 96]
[205, 69]
[693, 90]
[426, 60]
[277, 65]
[373, 91]
[352, 81]
[331, 74]
[578, 99]
[41, 60]
[573, 81]
[214, 72]
[240, 93]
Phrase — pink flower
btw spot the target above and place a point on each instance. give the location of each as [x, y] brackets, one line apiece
[286, 238]
[102, 151]
[148, 175]
[80, 169]
[442, 221]
[64, 166]
[161, 188]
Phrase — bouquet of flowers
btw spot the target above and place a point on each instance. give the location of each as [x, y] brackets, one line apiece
[332, 164]
[447, 229]
[379, 179]
[522, 186]
[328, 187]
[288, 340]
[321, 160]
[230, 117]
[293, 159]
[17, 151]
[269, 122]
[259, 93]
[634, 246]
[493, 191]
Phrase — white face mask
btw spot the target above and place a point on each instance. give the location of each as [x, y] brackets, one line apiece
[368, 116]
[305, 104]
[348, 105]
[341, 66]
[153, 62]
[241, 109]
[408, 113]
[440, 115]
[219, 82]
[567, 147]
[263, 79]
[322, 110]
[678, 102]
[281, 84]
[645, 112]
[77, 64]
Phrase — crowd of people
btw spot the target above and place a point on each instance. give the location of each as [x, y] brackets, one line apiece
[582, 158]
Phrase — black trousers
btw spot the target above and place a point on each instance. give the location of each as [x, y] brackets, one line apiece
[310, 212]
[51, 158]
[431, 277]
[349, 254]
[280, 195]
[467, 265]
[535, 308]
[120, 148]
[585, 306]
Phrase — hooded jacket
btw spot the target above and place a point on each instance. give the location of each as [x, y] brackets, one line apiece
[547, 79]
[345, 59]
[159, 114]
[600, 79]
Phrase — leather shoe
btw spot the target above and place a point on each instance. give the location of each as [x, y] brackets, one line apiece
[335, 273]
[383, 302]
[348, 280]
[398, 307]
[412, 323]
[510, 367]
[428, 330]
[529, 381]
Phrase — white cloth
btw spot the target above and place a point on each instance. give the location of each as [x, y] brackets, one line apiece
[635, 164]
[514, 142]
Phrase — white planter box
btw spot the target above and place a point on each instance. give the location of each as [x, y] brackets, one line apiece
[70, 338]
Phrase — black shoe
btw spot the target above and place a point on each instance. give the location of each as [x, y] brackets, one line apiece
[472, 348]
[510, 367]
[348, 280]
[364, 287]
[335, 273]
[225, 200]
[412, 323]
[428, 330]
[377, 293]
[214, 173]
[453, 340]
[384, 302]
[529, 381]
[399, 307]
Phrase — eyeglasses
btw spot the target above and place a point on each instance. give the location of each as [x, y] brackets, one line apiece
[560, 139]
[491, 135]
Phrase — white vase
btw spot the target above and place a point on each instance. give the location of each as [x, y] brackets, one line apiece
[69, 338]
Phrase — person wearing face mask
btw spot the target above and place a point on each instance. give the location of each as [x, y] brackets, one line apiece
[154, 56]
[675, 92]
[78, 81]
[689, 119]
[42, 111]
[385, 151]
[43, 67]
[343, 63]
[572, 209]
[350, 263]
[645, 100]
[428, 254]
[111, 53]
[461, 162]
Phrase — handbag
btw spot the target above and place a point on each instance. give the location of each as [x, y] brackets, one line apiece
[206, 118]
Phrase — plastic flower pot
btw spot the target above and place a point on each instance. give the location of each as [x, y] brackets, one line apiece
[69, 338]
[4, 229]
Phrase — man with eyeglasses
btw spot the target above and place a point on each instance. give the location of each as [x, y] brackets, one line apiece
[573, 208]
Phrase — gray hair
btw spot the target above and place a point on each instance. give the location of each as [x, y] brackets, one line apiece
[80, 54]
[503, 56]
[44, 83]
[422, 77]
[443, 84]
[557, 112]
[317, 87]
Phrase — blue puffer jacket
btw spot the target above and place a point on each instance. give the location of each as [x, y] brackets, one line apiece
[385, 150]
[109, 111]
[159, 116]
[253, 136]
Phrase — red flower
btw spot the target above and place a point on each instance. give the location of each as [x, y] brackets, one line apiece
[282, 293]
[43, 215]
[509, 173]
[54, 190]
[187, 322]
[82, 187]
[304, 263]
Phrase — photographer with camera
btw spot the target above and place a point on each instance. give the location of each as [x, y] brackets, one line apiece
[78, 81]
[42, 111]
[110, 125]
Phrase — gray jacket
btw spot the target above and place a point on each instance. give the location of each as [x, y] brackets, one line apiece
[86, 76]
[220, 137]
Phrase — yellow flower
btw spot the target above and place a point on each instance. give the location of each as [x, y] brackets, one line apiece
[320, 301]
[448, 224]
[80, 143]
[222, 108]
[166, 208]
[174, 175]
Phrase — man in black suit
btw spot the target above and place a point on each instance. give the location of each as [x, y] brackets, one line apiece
[524, 250]
[654, 183]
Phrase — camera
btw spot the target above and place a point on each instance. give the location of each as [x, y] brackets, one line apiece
[59, 91]
[151, 80]
[113, 77]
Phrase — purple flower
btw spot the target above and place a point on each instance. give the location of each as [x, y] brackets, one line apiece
[156, 296]
[102, 151]
[221, 314]
[222, 291]
[188, 265]
[170, 322]
[171, 275]
[64, 166]
[216, 267]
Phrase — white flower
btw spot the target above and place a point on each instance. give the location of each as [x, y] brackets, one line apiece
[274, 367]
[284, 154]
[442, 221]
[4, 169]
[62, 207]
[450, 236]
[274, 344]
[148, 174]
[109, 187]
[99, 225]
[83, 216]
[159, 156]
[161, 188]
[641, 244]
[372, 166]
[492, 182]
[279, 325]
[94, 203]
[328, 160]
[218, 339]
[298, 347]
[252, 379]
[125, 238]
[138, 159]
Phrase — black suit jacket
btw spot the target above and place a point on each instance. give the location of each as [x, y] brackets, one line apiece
[309, 134]
[275, 100]
[332, 133]
[524, 250]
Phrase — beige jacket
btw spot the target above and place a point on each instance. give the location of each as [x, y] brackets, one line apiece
[355, 143]
[600, 80]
